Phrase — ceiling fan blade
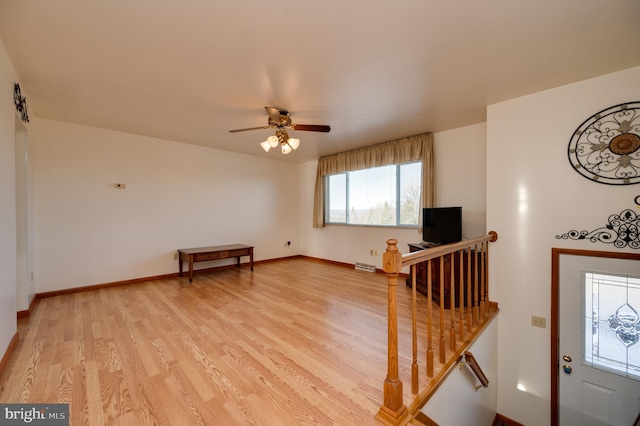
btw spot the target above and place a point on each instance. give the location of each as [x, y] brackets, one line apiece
[311, 127]
[275, 114]
[249, 128]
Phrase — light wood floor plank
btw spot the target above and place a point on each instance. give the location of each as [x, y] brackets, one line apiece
[294, 342]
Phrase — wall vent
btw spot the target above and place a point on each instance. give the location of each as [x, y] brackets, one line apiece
[360, 266]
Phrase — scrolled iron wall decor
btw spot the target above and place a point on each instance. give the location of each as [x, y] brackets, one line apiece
[20, 102]
[622, 230]
[605, 148]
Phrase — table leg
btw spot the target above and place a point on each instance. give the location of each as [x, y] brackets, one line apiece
[190, 268]
[251, 258]
[180, 264]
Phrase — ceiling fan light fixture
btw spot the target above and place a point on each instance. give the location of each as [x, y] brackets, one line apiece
[286, 148]
[293, 143]
[266, 145]
[281, 121]
[273, 141]
[282, 136]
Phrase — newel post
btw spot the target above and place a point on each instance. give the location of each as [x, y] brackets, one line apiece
[393, 409]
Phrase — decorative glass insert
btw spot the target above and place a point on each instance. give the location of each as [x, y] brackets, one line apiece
[612, 323]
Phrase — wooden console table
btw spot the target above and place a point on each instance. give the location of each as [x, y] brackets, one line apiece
[202, 254]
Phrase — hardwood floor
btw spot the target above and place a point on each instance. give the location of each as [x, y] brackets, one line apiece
[294, 342]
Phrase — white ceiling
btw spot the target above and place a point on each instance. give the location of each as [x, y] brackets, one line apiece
[374, 70]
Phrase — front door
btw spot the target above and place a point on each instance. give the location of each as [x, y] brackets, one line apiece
[599, 340]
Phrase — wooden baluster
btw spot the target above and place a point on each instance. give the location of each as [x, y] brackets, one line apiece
[461, 294]
[452, 304]
[414, 331]
[441, 342]
[485, 261]
[470, 294]
[393, 409]
[429, 324]
[476, 285]
[486, 276]
[494, 238]
[483, 282]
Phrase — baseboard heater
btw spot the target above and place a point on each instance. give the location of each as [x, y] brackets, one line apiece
[360, 266]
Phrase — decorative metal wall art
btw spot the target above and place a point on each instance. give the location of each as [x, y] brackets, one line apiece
[20, 102]
[622, 230]
[605, 148]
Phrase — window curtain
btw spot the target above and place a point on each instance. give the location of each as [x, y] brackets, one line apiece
[413, 148]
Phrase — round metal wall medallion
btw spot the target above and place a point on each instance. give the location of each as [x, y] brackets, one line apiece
[605, 148]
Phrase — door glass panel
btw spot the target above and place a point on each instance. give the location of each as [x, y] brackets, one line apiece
[612, 323]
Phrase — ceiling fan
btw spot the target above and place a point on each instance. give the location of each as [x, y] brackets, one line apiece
[281, 121]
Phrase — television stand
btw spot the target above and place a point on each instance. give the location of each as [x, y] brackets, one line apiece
[426, 244]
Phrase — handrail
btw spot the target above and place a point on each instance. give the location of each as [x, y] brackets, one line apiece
[439, 251]
[473, 311]
[475, 367]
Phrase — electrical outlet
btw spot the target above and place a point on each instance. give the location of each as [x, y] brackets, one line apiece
[538, 321]
[175, 256]
[373, 252]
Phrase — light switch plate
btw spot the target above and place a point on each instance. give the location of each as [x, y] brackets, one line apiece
[538, 321]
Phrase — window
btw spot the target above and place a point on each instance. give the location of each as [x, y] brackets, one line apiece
[383, 196]
[399, 154]
[612, 323]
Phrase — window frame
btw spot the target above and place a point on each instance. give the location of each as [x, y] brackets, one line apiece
[398, 207]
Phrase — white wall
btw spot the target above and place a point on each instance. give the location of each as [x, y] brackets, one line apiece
[533, 194]
[456, 402]
[460, 181]
[177, 196]
[89, 233]
[7, 203]
[25, 216]
[461, 175]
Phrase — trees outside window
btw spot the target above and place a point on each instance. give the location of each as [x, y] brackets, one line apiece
[382, 196]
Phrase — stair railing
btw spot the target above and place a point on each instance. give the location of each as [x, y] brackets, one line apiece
[464, 321]
[471, 361]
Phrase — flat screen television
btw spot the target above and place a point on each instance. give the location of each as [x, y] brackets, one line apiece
[442, 225]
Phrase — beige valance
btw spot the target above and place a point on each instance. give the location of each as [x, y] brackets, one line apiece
[412, 148]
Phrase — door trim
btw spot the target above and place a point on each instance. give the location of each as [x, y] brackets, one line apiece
[555, 315]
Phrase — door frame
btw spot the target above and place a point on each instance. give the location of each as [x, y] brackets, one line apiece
[555, 315]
